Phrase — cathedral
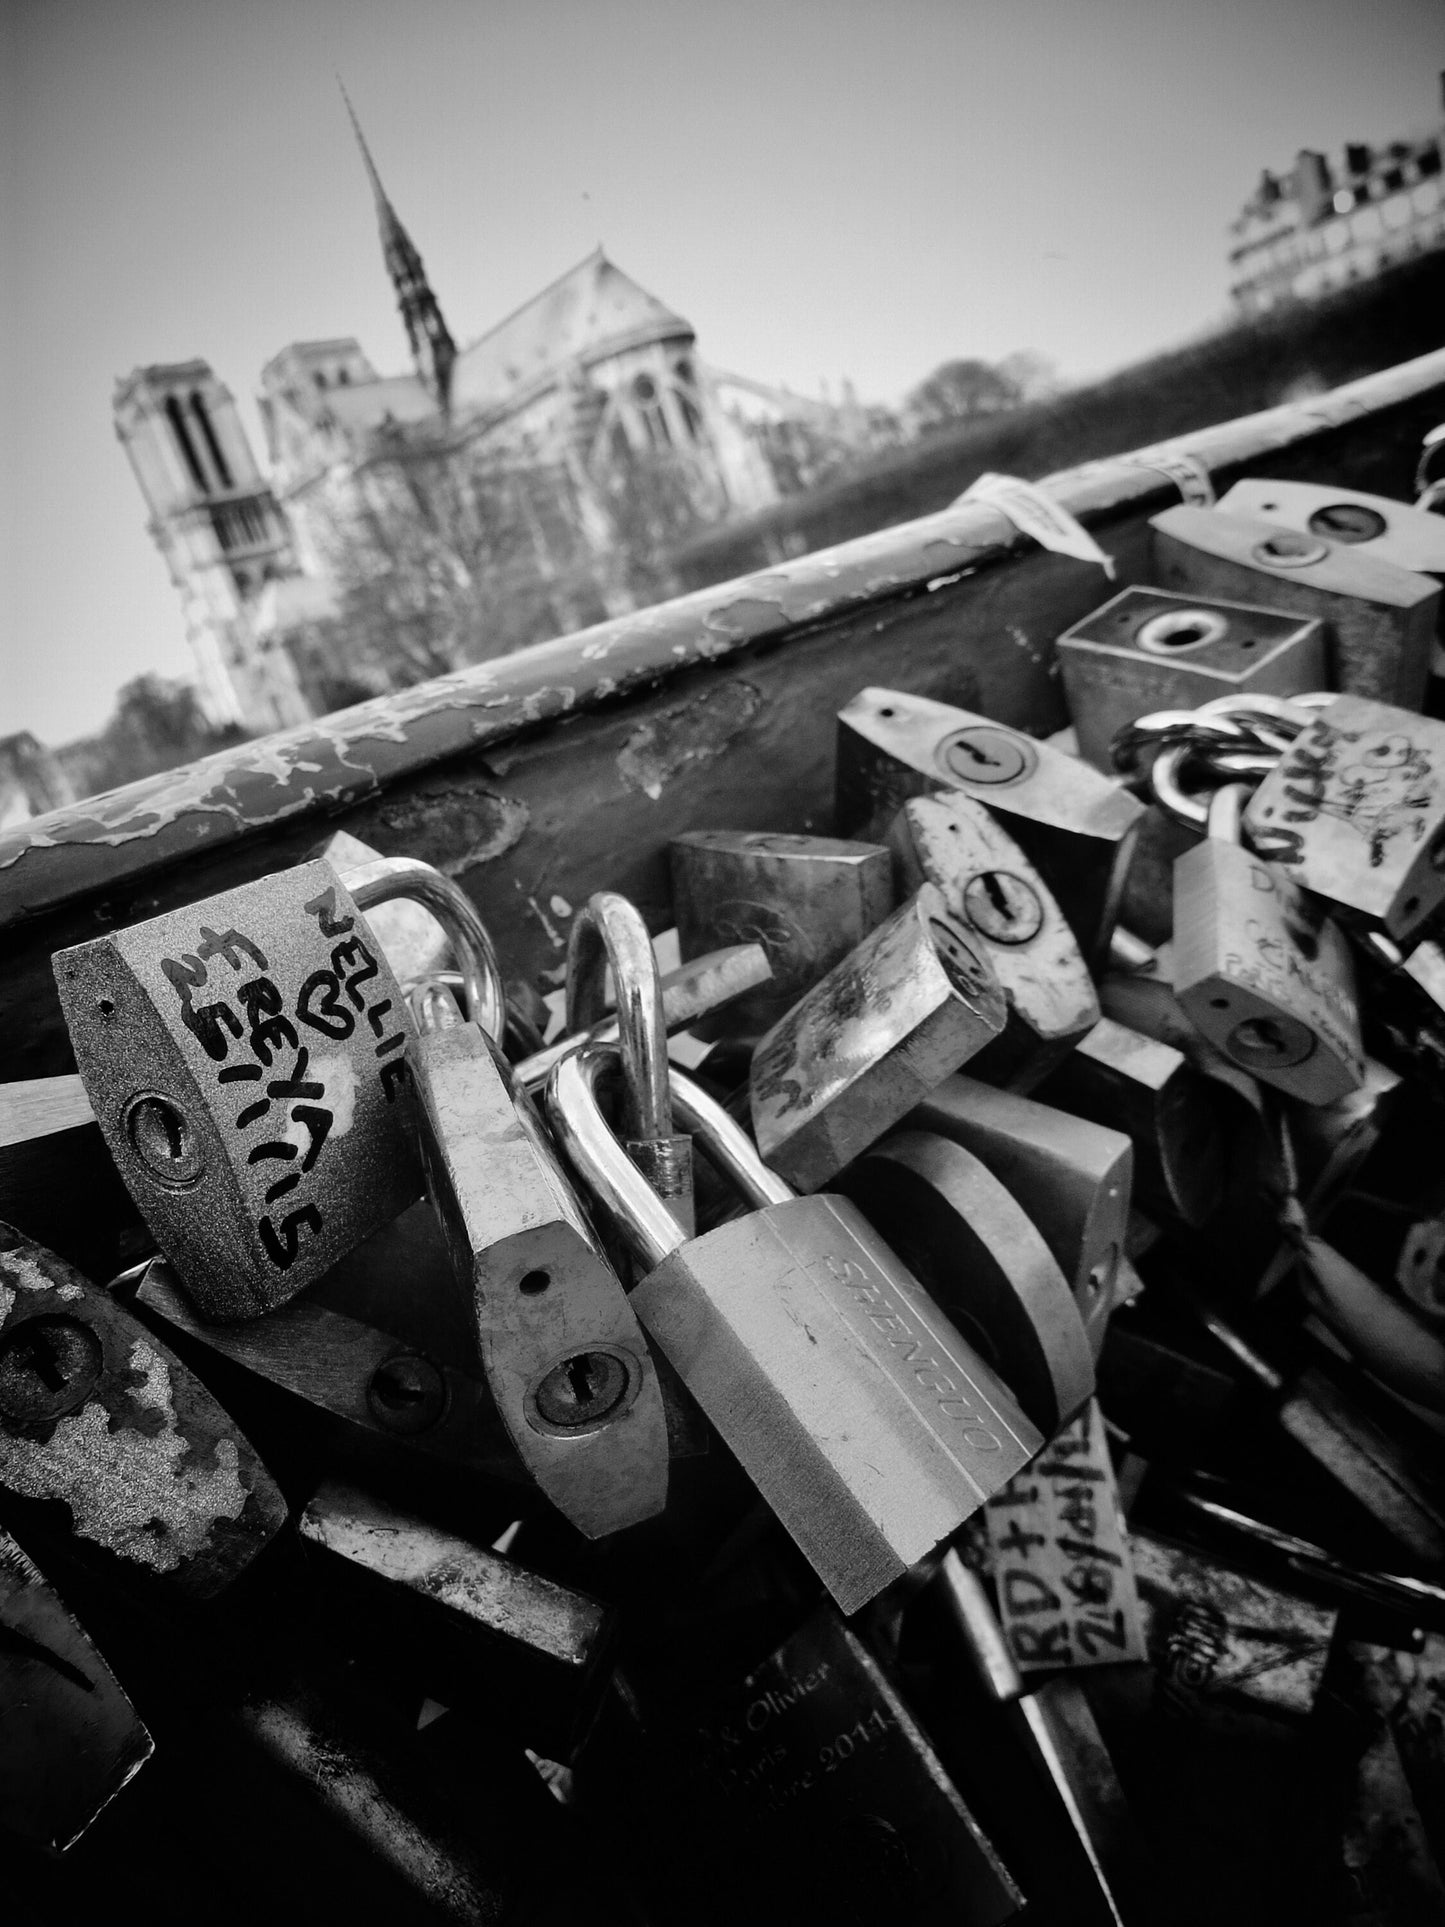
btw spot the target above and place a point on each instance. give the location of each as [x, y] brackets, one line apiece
[542, 464]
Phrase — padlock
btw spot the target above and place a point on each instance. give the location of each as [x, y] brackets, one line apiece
[992, 890]
[246, 1058]
[381, 1388]
[610, 932]
[1076, 825]
[1147, 1090]
[969, 1244]
[911, 1003]
[807, 899]
[1259, 968]
[1355, 812]
[854, 1406]
[1381, 618]
[70, 1739]
[1074, 1179]
[1376, 525]
[696, 989]
[558, 1341]
[531, 1654]
[101, 1419]
[1146, 649]
[812, 1793]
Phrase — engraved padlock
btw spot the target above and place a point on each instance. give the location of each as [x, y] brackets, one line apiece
[807, 899]
[911, 1003]
[1259, 968]
[1354, 811]
[1073, 1178]
[609, 932]
[558, 1341]
[1381, 618]
[982, 1262]
[246, 1058]
[991, 888]
[864, 1419]
[1146, 649]
[154, 1477]
[70, 1739]
[1074, 823]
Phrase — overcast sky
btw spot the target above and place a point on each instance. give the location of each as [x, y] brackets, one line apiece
[823, 187]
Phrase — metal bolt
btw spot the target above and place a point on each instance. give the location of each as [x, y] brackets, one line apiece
[1002, 906]
[48, 1366]
[583, 1390]
[407, 1394]
[984, 753]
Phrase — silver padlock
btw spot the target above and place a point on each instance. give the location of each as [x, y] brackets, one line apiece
[983, 1263]
[246, 1058]
[560, 1344]
[863, 1418]
[1381, 618]
[1076, 825]
[1354, 811]
[1146, 649]
[807, 899]
[609, 931]
[911, 1003]
[992, 890]
[1260, 970]
[1073, 1178]
[1376, 525]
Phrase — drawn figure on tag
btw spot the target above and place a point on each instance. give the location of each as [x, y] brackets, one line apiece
[1383, 794]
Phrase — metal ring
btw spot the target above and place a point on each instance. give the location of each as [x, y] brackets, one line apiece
[1225, 812]
[1166, 727]
[1171, 798]
[389, 877]
[610, 930]
[1251, 764]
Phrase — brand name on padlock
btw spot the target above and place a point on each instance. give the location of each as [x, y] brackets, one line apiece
[888, 1317]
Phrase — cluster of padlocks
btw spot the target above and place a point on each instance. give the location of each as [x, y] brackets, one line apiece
[862, 1406]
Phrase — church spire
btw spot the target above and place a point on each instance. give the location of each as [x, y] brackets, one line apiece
[431, 344]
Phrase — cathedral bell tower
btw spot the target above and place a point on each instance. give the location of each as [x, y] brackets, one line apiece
[221, 532]
[432, 346]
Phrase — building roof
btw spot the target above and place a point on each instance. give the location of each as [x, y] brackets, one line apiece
[591, 310]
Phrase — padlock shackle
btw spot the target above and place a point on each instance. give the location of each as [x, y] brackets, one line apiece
[1226, 813]
[610, 930]
[725, 1144]
[589, 1146]
[389, 877]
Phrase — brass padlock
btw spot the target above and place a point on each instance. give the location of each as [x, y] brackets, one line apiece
[532, 1655]
[1146, 649]
[98, 1415]
[911, 1003]
[1355, 812]
[609, 931]
[70, 1739]
[1381, 618]
[983, 1263]
[807, 899]
[1259, 968]
[1076, 825]
[865, 1421]
[1073, 1178]
[1147, 1090]
[558, 1341]
[992, 890]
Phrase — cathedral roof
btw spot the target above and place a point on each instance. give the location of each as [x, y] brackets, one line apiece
[592, 310]
[367, 404]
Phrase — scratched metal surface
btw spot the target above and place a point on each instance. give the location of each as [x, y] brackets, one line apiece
[565, 768]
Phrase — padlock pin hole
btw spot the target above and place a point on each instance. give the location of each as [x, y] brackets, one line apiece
[531, 1283]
